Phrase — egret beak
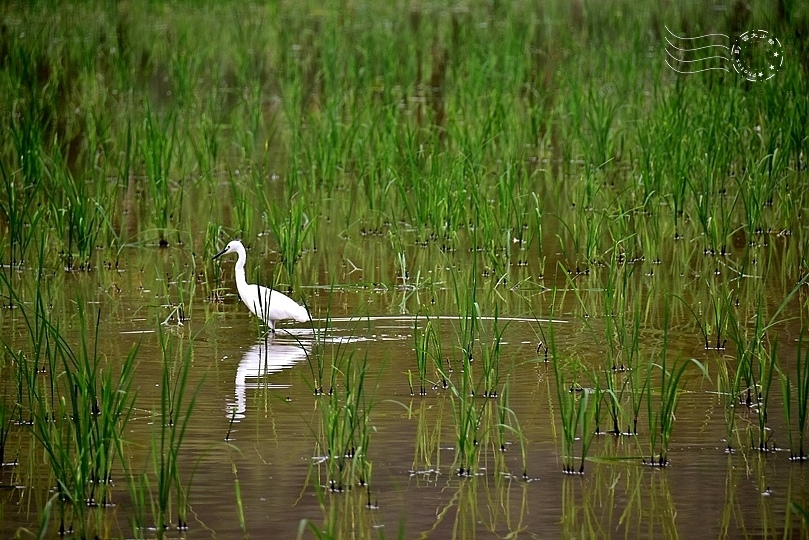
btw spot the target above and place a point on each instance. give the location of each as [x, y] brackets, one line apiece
[219, 254]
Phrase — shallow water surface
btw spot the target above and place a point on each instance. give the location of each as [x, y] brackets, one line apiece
[255, 437]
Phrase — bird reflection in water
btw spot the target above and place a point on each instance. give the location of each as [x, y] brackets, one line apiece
[260, 360]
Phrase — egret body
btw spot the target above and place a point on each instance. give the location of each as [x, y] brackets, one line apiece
[265, 303]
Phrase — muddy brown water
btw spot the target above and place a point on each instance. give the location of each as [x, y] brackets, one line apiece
[258, 390]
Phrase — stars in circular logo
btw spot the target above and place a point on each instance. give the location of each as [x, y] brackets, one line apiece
[756, 55]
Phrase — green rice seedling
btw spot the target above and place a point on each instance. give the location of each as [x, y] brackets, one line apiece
[576, 414]
[6, 421]
[211, 272]
[466, 302]
[720, 302]
[19, 211]
[575, 411]
[801, 401]
[614, 395]
[490, 359]
[751, 355]
[747, 348]
[361, 408]
[422, 340]
[205, 142]
[81, 215]
[767, 366]
[172, 418]
[466, 419]
[493, 238]
[291, 229]
[316, 357]
[762, 377]
[249, 129]
[41, 357]
[617, 279]
[636, 387]
[622, 348]
[718, 318]
[427, 455]
[28, 136]
[346, 426]
[579, 292]
[79, 418]
[401, 263]
[108, 400]
[600, 114]
[598, 400]
[442, 371]
[593, 231]
[539, 209]
[467, 424]
[242, 205]
[713, 213]
[157, 149]
[182, 301]
[503, 411]
[754, 200]
[729, 390]
[377, 191]
[661, 421]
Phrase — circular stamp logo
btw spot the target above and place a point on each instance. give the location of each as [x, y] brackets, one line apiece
[756, 55]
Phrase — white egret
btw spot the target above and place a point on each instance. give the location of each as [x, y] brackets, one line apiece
[265, 303]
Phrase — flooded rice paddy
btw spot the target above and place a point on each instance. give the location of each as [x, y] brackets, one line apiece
[255, 438]
[557, 288]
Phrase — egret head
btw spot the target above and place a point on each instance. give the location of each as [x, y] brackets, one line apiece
[232, 247]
